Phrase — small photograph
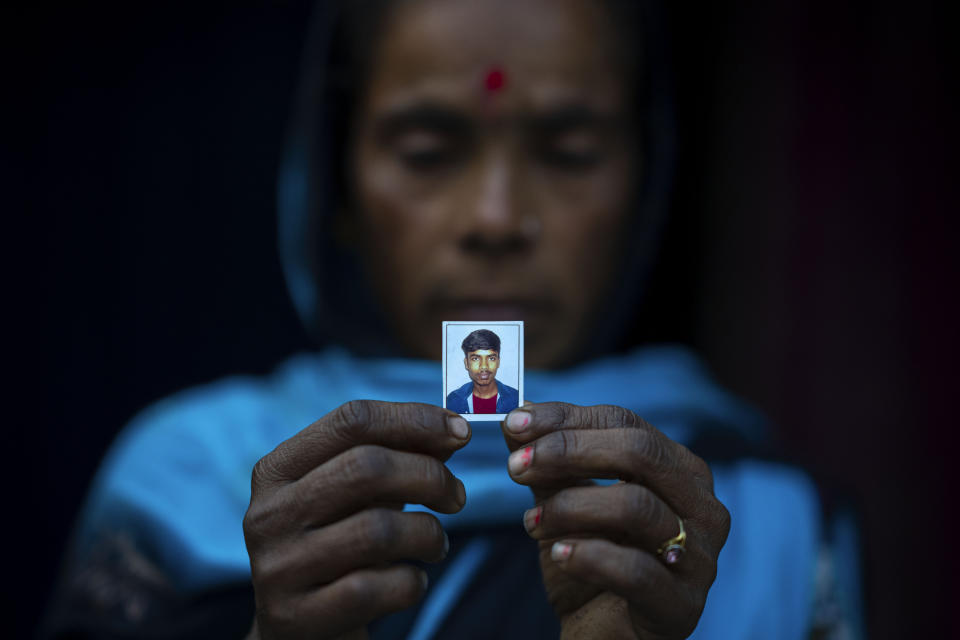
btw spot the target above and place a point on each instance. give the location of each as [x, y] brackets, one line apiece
[483, 368]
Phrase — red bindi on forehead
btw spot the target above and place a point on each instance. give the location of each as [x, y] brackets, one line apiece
[494, 80]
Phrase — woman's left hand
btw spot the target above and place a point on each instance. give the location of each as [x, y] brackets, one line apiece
[599, 544]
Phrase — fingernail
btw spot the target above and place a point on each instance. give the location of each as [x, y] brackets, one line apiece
[531, 518]
[517, 421]
[424, 580]
[461, 494]
[560, 551]
[458, 427]
[519, 460]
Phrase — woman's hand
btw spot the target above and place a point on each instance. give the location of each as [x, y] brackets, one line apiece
[325, 530]
[598, 544]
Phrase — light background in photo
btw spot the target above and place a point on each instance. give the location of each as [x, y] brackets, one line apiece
[456, 374]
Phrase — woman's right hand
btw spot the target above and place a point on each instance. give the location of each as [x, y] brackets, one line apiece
[325, 531]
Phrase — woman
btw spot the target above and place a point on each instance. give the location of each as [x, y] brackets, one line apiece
[460, 160]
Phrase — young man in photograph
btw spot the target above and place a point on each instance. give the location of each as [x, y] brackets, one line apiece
[483, 394]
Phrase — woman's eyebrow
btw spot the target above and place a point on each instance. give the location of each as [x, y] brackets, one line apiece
[451, 121]
[421, 116]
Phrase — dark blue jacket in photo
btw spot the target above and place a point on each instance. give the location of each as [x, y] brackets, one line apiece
[508, 398]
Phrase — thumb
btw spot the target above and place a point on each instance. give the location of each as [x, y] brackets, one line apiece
[512, 443]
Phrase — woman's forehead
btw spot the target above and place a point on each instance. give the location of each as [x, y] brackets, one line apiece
[534, 52]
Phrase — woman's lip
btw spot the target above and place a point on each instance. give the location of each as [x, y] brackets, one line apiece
[493, 310]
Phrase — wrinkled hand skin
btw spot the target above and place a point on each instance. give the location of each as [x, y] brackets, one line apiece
[325, 529]
[612, 584]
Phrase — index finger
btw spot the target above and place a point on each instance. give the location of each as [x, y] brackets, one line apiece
[643, 450]
[531, 421]
[406, 426]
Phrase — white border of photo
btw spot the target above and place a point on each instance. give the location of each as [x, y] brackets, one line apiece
[454, 331]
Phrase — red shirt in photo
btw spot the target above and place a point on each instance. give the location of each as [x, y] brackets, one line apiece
[484, 405]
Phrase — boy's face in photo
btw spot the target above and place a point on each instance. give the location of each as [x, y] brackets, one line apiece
[482, 366]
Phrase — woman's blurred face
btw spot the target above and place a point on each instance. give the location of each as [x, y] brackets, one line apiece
[493, 165]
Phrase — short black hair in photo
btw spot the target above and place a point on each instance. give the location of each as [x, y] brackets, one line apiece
[481, 339]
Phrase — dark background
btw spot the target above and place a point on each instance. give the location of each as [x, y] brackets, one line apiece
[811, 256]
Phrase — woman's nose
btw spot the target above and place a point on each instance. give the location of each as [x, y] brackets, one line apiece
[495, 225]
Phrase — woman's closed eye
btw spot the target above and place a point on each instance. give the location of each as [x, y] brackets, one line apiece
[425, 150]
[577, 149]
